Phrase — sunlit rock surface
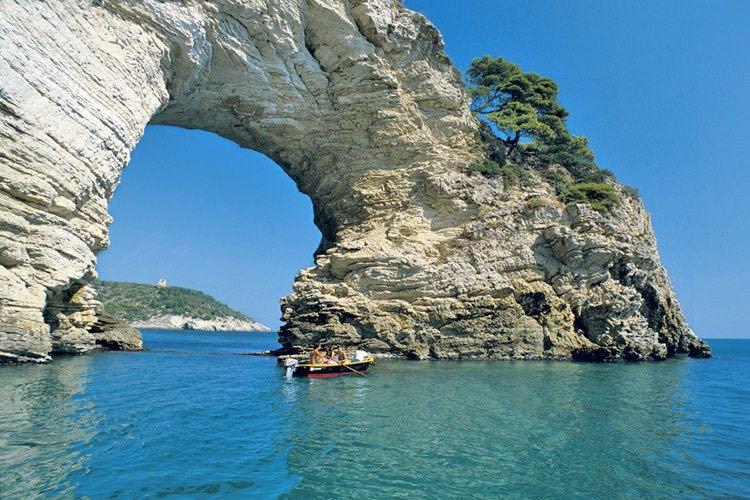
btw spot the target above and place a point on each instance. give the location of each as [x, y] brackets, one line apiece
[219, 324]
[356, 100]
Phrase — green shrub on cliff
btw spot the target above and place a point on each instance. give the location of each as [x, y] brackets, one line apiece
[487, 168]
[601, 197]
[512, 174]
[632, 192]
[534, 203]
[559, 181]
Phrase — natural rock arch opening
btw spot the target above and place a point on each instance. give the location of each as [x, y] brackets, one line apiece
[202, 213]
[356, 100]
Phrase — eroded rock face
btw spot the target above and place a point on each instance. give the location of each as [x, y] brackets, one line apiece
[356, 100]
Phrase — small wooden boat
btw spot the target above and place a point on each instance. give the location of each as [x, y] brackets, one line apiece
[328, 370]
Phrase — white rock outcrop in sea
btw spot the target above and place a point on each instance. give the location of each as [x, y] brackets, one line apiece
[357, 102]
[219, 324]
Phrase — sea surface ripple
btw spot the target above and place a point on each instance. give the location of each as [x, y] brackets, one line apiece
[192, 417]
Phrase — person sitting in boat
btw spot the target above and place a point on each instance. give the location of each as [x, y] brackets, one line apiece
[316, 357]
[330, 357]
[340, 355]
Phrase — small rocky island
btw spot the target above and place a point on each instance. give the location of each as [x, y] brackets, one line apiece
[171, 307]
[460, 219]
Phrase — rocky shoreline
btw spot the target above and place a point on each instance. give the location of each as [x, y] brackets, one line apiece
[221, 324]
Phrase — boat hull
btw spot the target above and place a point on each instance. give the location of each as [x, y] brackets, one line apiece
[326, 371]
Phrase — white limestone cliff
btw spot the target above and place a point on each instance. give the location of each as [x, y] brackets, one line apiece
[357, 102]
[218, 324]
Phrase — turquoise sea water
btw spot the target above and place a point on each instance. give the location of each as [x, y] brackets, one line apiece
[191, 417]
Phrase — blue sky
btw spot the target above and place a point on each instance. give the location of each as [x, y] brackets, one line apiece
[662, 90]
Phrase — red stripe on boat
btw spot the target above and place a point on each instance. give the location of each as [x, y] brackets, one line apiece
[327, 375]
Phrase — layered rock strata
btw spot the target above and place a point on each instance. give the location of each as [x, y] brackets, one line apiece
[357, 102]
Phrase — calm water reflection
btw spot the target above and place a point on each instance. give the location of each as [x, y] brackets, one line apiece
[193, 418]
[42, 420]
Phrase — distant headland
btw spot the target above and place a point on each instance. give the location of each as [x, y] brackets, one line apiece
[171, 307]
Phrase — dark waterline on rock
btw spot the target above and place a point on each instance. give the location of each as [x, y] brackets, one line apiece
[190, 417]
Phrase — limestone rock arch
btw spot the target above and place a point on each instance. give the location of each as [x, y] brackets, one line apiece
[357, 102]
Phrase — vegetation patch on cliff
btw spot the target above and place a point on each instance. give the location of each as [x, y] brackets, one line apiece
[525, 132]
[138, 302]
[511, 173]
[600, 196]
